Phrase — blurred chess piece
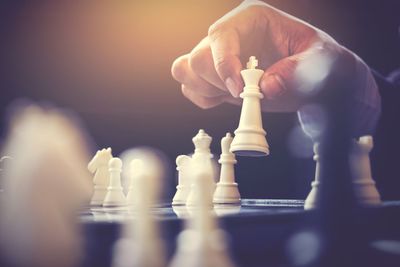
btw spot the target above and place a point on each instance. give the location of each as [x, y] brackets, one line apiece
[311, 199]
[99, 166]
[141, 244]
[45, 187]
[183, 187]
[135, 168]
[227, 191]
[202, 243]
[250, 136]
[180, 211]
[4, 162]
[201, 161]
[115, 195]
[360, 166]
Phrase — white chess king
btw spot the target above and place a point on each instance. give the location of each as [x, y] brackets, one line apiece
[250, 136]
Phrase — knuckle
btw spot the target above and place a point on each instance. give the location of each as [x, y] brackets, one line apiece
[222, 64]
[214, 30]
[178, 69]
[218, 29]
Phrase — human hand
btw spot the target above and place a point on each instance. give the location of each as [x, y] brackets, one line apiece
[298, 60]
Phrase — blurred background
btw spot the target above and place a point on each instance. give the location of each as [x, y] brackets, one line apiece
[109, 61]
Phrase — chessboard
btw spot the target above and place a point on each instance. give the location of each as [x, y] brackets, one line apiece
[258, 230]
[248, 207]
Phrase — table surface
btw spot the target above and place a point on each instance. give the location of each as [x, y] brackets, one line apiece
[258, 230]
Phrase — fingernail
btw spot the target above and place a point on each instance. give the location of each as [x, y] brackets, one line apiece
[232, 87]
[272, 86]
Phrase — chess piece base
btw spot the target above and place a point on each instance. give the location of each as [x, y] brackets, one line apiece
[98, 197]
[180, 196]
[114, 197]
[227, 193]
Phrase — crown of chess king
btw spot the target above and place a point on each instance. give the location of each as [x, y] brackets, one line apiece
[250, 136]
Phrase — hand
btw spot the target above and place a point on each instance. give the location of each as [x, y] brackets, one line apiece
[298, 60]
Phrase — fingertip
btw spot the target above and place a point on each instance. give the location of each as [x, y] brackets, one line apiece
[234, 86]
[272, 86]
[178, 68]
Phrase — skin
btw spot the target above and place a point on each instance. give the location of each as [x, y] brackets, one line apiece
[210, 74]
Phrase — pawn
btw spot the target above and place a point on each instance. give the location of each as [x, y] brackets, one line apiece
[250, 136]
[183, 187]
[360, 167]
[135, 169]
[227, 191]
[141, 243]
[99, 166]
[202, 243]
[115, 195]
[311, 199]
[4, 162]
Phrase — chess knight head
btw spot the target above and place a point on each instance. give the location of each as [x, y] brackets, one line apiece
[101, 158]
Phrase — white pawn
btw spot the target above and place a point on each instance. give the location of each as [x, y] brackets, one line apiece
[250, 136]
[115, 195]
[201, 161]
[46, 185]
[135, 169]
[99, 166]
[227, 191]
[141, 244]
[360, 167]
[3, 165]
[183, 187]
[311, 199]
[202, 243]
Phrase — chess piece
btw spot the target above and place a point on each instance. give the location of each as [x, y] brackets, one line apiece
[45, 187]
[135, 169]
[141, 243]
[311, 199]
[363, 184]
[202, 142]
[202, 242]
[250, 136]
[99, 166]
[183, 187]
[223, 210]
[201, 161]
[4, 162]
[180, 211]
[227, 191]
[115, 195]
[360, 167]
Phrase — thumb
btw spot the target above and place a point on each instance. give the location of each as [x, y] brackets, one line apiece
[225, 47]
